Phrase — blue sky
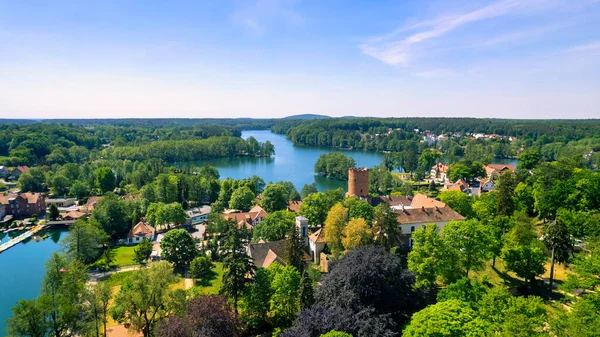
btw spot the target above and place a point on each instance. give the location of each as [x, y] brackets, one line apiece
[273, 58]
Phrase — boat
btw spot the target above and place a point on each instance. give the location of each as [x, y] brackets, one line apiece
[45, 236]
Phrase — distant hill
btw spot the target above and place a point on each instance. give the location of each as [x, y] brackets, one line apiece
[306, 116]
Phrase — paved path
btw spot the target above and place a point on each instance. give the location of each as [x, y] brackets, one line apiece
[96, 276]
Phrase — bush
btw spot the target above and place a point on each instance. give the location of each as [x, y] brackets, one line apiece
[200, 266]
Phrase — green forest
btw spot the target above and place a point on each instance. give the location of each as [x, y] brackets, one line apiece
[523, 262]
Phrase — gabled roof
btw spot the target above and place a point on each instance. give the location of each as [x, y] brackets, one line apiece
[294, 206]
[141, 230]
[318, 236]
[74, 215]
[501, 167]
[427, 215]
[421, 200]
[265, 253]
[22, 169]
[30, 197]
[392, 201]
[249, 217]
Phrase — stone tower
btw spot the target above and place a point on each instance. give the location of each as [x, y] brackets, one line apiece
[358, 182]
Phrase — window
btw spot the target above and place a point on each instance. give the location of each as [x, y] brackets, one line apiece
[412, 229]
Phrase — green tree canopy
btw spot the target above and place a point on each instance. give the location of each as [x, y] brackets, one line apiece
[179, 248]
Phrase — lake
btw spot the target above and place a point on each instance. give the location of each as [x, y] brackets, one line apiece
[293, 163]
[22, 270]
[290, 163]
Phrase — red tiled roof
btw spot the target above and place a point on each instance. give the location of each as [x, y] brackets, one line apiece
[421, 200]
[501, 167]
[294, 206]
[74, 215]
[141, 230]
[318, 236]
[427, 215]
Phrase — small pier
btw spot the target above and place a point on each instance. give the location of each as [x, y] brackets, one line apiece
[18, 239]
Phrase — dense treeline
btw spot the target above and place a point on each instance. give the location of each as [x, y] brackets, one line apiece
[189, 150]
[552, 138]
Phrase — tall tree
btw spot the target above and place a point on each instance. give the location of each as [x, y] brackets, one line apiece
[506, 185]
[294, 251]
[63, 291]
[142, 252]
[84, 241]
[385, 226]
[28, 319]
[179, 248]
[284, 302]
[458, 201]
[97, 305]
[356, 234]
[145, 298]
[237, 265]
[558, 240]
[308, 189]
[274, 226]
[307, 292]
[470, 241]
[334, 226]
[275, 198]
[105, 179]
[242, 199]
[110, 215]
[426, 256]
[53, 213]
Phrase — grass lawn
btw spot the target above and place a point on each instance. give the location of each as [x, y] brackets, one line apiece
[211, 283]
[124, 256]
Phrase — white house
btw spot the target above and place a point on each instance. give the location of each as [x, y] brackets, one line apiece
[411, 219]
[198, 214]
[140, 232]
[487, 185]
[316, 244]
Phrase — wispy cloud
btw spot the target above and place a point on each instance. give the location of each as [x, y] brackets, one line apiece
[258, 15]
[406, 45]
[591, 47]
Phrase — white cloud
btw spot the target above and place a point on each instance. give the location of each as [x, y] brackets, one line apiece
[407, 45]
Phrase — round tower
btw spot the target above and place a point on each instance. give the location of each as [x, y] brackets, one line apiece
[358, 182]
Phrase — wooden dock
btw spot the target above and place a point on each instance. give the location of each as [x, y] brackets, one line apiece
[18, 239]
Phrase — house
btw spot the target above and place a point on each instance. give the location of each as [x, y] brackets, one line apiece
[316, 244]
[90, 204]
[140, 232]
[17, 171]
[4, 172]
[400, 202]
[267, 253]
[198, 215]
[61, 202]
[74, 215]
[414, 218]
[294, 206]
[21, 205]
[439, 172]
[487, 185]
[494, 171]
[250, 218]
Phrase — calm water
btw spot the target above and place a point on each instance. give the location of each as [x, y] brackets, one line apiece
[293, 163]
[22, 271]
[290, 163]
